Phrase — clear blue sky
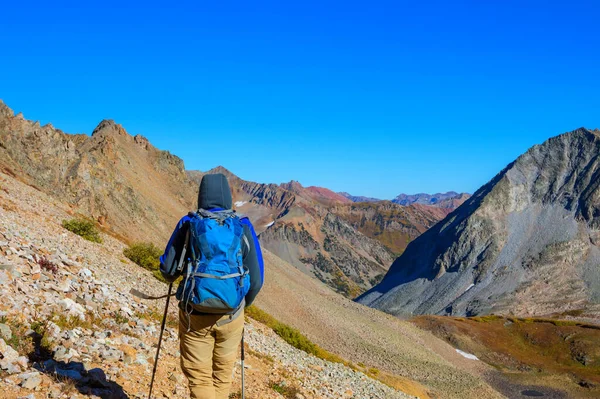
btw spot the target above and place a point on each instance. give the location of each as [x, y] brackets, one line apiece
[374, 98]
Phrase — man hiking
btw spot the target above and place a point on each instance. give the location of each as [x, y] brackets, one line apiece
[218, 255]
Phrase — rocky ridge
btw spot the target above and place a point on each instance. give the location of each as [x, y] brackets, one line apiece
[118, 179]
[358, 198]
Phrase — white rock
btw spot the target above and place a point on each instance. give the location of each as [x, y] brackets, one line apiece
[72, 307]
[85, 273]
[30, 380]
[8, 352]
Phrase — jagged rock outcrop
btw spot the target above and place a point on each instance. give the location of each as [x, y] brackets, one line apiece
[525, 243]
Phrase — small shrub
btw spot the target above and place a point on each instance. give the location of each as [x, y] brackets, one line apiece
[20, 340]
[288, 392]
[84, 228]
[69, 322]
[47, 265]
[260, 315]
[90, 321]
[158, 275]
[120, 319]
[144, 254]
[295, 338]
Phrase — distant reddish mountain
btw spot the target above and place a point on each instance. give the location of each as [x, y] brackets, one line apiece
[320, 194]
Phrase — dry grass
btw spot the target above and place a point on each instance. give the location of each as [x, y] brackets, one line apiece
[258, 355]
[525, 345]
[404, 384]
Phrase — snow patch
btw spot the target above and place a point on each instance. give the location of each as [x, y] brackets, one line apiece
[469, 287]
[467, 355]
[240, 203]
[270, 224]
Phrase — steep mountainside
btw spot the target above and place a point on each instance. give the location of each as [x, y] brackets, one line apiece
[528, 242]
[429, 199]
[391, 224]
[120, 180]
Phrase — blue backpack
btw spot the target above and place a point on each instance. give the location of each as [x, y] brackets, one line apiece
[216, 280]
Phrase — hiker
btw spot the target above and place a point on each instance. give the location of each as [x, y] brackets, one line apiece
[223, 272]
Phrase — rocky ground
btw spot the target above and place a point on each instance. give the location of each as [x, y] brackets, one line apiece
[70, 328]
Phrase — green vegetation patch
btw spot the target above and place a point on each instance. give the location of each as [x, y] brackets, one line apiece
[146, 255]
[84, 228]
[287, 391]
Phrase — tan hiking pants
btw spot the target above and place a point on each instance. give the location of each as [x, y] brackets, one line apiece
[208, 353]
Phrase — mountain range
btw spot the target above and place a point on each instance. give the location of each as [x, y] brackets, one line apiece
[134, 190]
[514, 238]
[449, 200]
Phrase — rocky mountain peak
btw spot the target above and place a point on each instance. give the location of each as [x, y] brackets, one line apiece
[223, 170]
[108, 127]
[293, 186]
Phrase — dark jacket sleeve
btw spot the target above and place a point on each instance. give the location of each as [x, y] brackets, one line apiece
[170, 258]
[253, 262]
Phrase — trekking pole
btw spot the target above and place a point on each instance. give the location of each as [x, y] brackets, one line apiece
[162, 329]
[243, 363]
